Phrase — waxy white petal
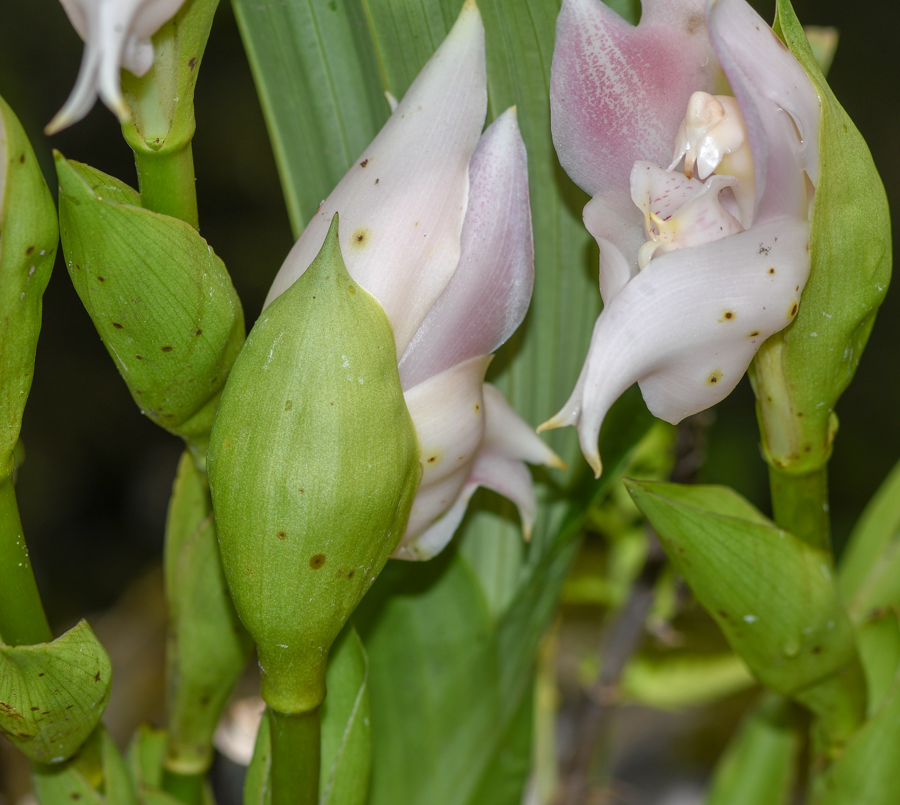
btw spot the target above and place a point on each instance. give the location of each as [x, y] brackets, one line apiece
[489, 294]
[448, 412]
[507, 434]
[618, 92]
[116, 34]
[688, 325]
[498, 465]
[405, 252]
[768, 81]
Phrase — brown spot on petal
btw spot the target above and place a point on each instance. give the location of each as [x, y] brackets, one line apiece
[360, 238]
[771, 270]
[364, 163]
[753, 334]
[793, 310]
[317, 561]
[714, 377]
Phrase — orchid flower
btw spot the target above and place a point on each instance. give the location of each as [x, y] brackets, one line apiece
[116, 34]
[698, 265]
[436, 225]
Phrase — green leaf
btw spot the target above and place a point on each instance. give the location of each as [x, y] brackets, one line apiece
[159, 297]
[773, 596]
[879, 650]
[867, 773]
[52, 695]
[318, 81]
[346, 732]
[208, 646]
[802, 371]
[869, 571]
[759, 765]
[312, 472]
[28, 240]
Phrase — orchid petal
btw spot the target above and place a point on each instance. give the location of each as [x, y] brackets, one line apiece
[438, 535]
[116, 34]
[768, 81]
[738, 291]
[404, 253]
[489, 294]
[618, 92]
[507, 434]
[448, 412]
[618, 228]
[509, 478]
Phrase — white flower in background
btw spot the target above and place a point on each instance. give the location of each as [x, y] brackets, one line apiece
[698, 266]
[436, 225]
[116, 34]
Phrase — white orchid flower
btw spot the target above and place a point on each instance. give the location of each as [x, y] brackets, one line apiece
[116, 34]
[698, 265]
[436, 225]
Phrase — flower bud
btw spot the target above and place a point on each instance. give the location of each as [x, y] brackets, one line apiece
[160, 298]
[313, 466]
[28, 239]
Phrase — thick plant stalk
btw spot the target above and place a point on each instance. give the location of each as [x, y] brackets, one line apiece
[296, 756]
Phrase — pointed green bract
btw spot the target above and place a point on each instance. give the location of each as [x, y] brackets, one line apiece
[208, 646]
[52, 695]
[28, 239]
[97, 768]
[159, 297]
[800, 373]
[772, 595]
[313, 465]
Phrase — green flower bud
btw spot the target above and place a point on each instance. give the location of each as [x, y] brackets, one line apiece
[799, 374]
[160, 298]
[313, 466]
[28, 239]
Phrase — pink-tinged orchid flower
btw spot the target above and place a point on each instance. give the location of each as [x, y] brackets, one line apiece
[698, 266]
[435, 223]
[116, 34]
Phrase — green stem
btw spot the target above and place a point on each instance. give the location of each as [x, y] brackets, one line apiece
[22, 618]
[187, 788]
[167, 184]
[296, 739]
[800, 505]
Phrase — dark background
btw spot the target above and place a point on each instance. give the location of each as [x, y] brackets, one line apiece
[96, 481]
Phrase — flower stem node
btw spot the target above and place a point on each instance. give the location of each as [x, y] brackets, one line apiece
[313, 466]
